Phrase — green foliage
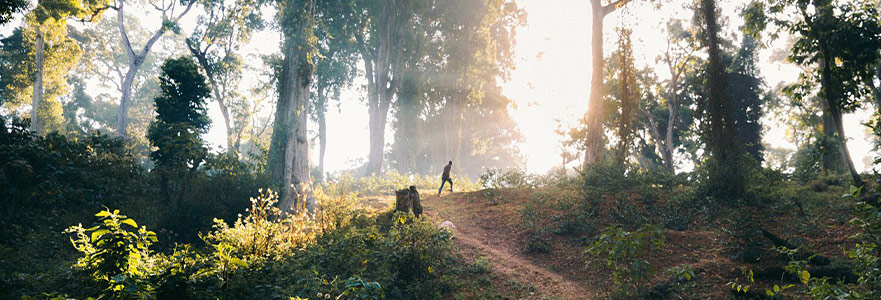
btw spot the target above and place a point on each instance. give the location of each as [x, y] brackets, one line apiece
[748, 92]
[115, 253]
[9, 8]
[534, 211]
[18, 69]
[52, 181]
[492, 180]
[473, 39]
[681, 273]
[864, 257]
[388, 182]
[181, 119]
[181, 115]
[512, 178]
[743, 285]
[265, 232]
[269, 255]
[682, 278]
[623, 253]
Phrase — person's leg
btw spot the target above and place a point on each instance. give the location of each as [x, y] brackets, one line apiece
[441, 188]
[451, 184]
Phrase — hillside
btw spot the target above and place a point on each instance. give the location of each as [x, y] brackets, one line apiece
[492, 225]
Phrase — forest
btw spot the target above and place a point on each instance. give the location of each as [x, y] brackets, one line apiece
[290, 149]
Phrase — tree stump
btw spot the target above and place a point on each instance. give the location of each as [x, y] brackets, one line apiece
[402, 200]
[415, 202]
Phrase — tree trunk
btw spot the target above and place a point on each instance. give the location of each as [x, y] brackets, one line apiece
[289, 150]
[135, 62]
[834, 109]
[125, 101]
[378, 119]
[839, 126]
[407, 135]
[321, 107]
[380, 65]
[829, 163]
[36, 123]
[721, 143]
[288, 155]
[594, 140]
[458, 117]
[672, 107]
[218, 94]
[627, 86]
[659, 141]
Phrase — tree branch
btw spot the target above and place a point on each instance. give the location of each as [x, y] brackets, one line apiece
[120, 23]
[611, 7]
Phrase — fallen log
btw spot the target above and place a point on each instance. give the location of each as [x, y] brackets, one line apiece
[812, 258]
[836, 271]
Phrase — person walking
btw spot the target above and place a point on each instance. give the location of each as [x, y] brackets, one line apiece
[446, 177]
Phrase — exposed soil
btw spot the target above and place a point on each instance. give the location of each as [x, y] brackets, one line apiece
[490, 226]
[483, 229]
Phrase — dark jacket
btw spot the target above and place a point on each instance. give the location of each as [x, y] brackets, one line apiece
[415, 202]
[447, 172]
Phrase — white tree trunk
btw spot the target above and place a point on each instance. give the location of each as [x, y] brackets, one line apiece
[36, 123]
[135, 62]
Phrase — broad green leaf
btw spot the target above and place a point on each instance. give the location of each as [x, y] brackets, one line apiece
[805, 276]
[130, 222]
[98, 233]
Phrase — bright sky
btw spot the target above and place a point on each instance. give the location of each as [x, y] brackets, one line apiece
[550, 84]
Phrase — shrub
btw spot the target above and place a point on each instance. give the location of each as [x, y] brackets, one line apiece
[387, 183]
[264, 232]
[538, 243]
[496, 179]
[115, 255]
[623, 253]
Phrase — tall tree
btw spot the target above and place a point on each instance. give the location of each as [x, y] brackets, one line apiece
[628, 93]
[215, 43]
[839, 38]
[747, 95]
[594, 138]
[181, 119]
[726, 173]
[49, 17]
[335, 67]
[479, 45]
[105, 63]
[449, 105]
[381, 45]
[171, 14]
[288, 162]
[681, 61]
[23, 77]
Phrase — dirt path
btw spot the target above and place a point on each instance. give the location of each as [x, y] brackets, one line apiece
[479, 234]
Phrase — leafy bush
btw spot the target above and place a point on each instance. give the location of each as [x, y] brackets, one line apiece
[538, 243]
[496, 179]
[391, 181]
[115, 255]
[338, 253]
[623, 253]
[54, 179]
[264, 232]
[865, 257]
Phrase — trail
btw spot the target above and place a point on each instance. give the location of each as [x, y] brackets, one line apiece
[482, 233]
